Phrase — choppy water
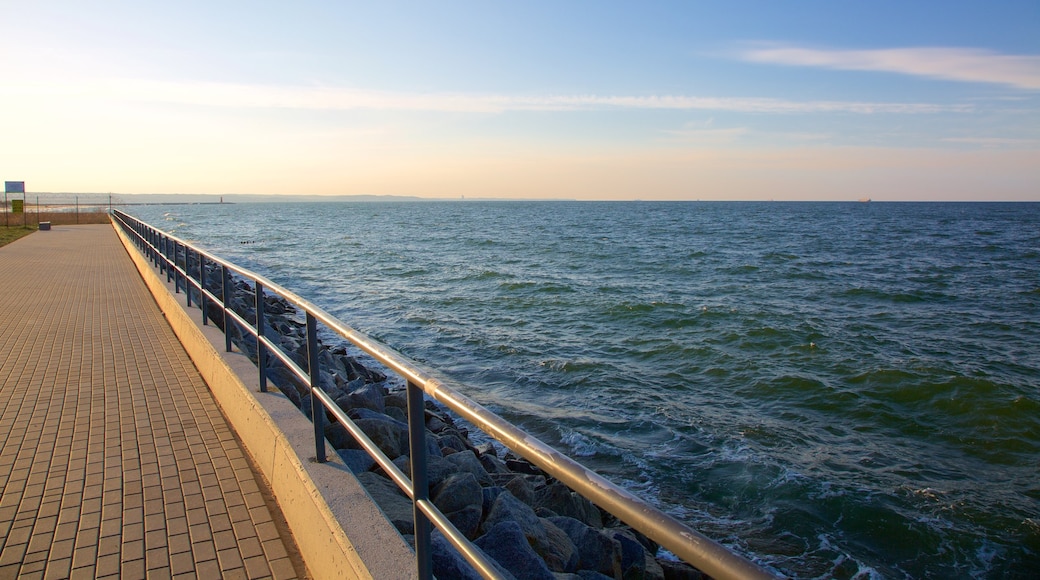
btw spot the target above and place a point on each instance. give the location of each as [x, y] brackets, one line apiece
[837, 390]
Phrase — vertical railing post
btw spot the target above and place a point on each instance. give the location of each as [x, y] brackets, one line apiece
[167, 259]
[261, 351]
[187, 274]
[420, 481]
[225, 299]
[317, 409]
[171, 259]
[203, 301]
[176, 268]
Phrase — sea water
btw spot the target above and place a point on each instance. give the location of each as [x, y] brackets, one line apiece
[833, 389]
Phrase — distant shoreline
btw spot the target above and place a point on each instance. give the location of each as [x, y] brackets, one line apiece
[139, 199]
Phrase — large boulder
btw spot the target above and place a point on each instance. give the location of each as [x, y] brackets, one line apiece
[389, 435]
[636, 562]
[506, 507]
[507, 544]
[561, 555]
[559, 499]
[596, 551]
[362, 395]
[449, 564]
[680, 571]
[437, 468]
[460, 498]
[466, 461]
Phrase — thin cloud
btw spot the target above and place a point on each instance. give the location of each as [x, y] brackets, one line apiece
[993, 142]
[956, 64]
[334, 98]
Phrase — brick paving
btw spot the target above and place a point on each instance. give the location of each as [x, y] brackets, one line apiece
[115, 461]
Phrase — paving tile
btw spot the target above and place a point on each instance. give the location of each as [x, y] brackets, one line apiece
[108, 565]
[257, 567]
[282, 569]
[229, 559]
[58, 568]
[204, 551]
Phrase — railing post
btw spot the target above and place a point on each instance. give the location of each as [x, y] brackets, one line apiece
[176, 266]
[317, 409]
[167, 260]
[187, 275]
[420, 481]
[261, 351]
[203, 301]
[225, 299]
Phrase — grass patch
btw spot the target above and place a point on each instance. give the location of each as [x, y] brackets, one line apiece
[12, 233]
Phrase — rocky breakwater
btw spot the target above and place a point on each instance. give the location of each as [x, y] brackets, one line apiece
[532, 525]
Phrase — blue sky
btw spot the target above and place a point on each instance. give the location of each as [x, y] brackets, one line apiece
[587, 100]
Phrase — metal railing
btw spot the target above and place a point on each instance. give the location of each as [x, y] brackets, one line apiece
[164, 251]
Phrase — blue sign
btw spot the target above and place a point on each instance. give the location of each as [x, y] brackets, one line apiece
[14, 186]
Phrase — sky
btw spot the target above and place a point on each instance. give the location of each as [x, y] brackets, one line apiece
[799, 100]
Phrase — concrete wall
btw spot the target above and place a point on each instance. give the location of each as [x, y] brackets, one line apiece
[339, 530]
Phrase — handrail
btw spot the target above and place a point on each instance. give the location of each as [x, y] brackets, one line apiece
[691, 546]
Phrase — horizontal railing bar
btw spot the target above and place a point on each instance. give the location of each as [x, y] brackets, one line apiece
[693, 547]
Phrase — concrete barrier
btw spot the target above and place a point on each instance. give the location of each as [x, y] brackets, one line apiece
[340, 531]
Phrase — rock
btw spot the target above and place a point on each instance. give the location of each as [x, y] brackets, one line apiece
[561, 554]
[507, 544]
[390, 499]
[596, 551]
[521, 487]
[437, 469]
[458, 491]
[680, 571]
[636, 562]
[523, 466]
[486, 449]
[358, 460]
[467, 462]
[447, 562]
[507, 507]
[390, 436]
[361, 395]
[558, 498]
[398, 414]
[338, 436]
[490, 495]
[493, 464]
[355, 370]
[451, 441]
[398, 399]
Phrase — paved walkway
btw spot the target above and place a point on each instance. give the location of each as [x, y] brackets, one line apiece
[115, 461]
